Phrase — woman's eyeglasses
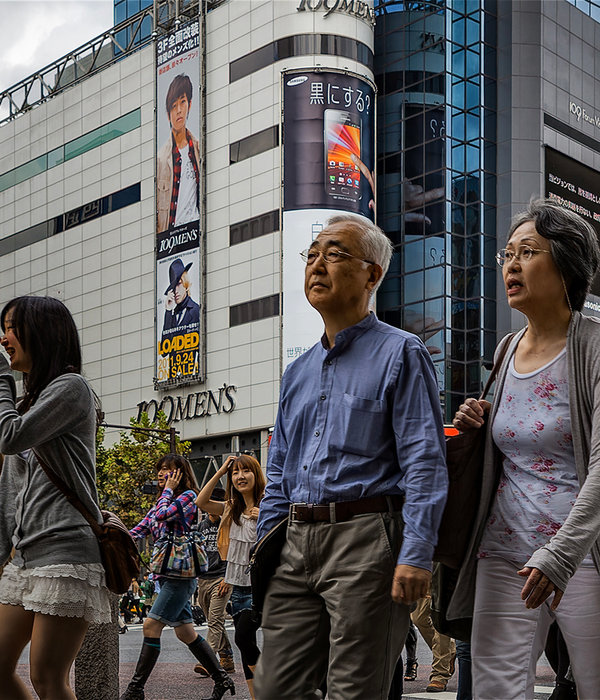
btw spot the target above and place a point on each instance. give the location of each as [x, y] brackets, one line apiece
[524, 254]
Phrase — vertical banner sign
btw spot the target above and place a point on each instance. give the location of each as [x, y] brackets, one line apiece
[328, 169]
[178, 204]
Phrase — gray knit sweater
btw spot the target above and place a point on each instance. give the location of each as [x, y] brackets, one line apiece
[580, 532]
[35, 517]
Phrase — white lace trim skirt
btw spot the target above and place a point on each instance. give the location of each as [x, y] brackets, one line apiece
[67, 590]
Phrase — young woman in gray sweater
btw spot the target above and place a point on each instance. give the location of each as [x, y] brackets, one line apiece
[534, 554]
[54, 586]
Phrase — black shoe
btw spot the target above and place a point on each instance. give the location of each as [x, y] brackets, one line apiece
[201, 649]
[133, 694]
[410, 673]
[123, 629]
[146, 662]
[221, 687]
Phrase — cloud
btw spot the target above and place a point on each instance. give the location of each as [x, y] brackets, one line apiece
[34, 33]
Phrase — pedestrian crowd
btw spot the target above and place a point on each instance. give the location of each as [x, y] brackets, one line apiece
[346, 520]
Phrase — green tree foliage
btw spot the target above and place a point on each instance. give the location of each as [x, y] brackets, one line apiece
[123, 468]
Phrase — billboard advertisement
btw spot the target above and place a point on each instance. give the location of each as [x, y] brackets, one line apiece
[178, 207]
[577, 187]
[328, 168]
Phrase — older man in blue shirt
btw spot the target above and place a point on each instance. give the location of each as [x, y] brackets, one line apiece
[357, 459]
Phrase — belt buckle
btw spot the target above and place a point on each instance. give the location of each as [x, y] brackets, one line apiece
[293, 507]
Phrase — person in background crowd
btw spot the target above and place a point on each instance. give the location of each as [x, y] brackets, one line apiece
[237, 535]
[55, 584]
[442, 647]
[534, 555]
[410, 671]
[558, 657]
[177, 485]
[147, 592]
[464, 690]
[357, 461]
[213, 593]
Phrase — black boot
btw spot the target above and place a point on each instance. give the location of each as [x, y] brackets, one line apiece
[146, 662]
[201, 649]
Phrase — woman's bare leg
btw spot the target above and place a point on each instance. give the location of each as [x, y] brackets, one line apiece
[55, 642]
[16, 624]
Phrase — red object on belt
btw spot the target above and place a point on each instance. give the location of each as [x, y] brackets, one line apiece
[343, 510]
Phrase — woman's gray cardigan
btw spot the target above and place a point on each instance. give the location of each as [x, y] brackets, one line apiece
[35, 517]
[580, 532]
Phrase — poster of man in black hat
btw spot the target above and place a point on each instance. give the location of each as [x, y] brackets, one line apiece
[180, 308]
[179, 341]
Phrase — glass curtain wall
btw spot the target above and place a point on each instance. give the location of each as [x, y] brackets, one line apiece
[435, 71]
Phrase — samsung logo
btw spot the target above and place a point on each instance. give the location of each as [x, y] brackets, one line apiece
[298, 80]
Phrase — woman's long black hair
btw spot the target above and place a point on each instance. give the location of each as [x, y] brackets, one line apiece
[47, 333]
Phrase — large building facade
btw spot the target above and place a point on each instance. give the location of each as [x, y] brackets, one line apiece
[464, 110]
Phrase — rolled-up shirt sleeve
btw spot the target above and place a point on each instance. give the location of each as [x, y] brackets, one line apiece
[421, 453]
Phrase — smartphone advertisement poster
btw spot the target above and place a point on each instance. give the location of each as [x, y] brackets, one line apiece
[328, 169]
[328, 142]
[178, 203]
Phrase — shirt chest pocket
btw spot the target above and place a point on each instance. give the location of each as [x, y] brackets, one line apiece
[358, 425]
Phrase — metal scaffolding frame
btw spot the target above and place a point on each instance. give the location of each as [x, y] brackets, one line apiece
[111, 46]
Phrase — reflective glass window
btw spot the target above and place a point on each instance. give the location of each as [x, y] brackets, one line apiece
[413, 287]
[414, 318]
[31, 169]
[56, 157]
[254, 144]
[7, 180]
[434, 282]
[120, 12]
[413, 255]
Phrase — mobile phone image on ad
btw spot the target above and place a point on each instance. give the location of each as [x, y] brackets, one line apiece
[342, 140]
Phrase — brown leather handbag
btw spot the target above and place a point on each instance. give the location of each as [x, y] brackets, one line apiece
[120, 556]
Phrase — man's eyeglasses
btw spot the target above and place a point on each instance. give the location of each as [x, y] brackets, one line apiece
[310, 256]
[525, 253]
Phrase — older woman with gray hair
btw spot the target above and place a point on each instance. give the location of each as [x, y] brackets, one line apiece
[534, 554]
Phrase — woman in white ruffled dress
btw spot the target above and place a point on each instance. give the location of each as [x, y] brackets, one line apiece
[55, 584]
[237, 535]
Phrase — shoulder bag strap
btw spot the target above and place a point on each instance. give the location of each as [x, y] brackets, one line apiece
[69, 494]
[496, 367]
[179, 507]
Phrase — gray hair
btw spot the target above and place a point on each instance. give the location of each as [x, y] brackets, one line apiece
[376, 246]
[573, 245]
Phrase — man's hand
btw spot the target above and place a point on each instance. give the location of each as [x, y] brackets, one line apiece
[410, 583]
[223, 589]
[170, 300]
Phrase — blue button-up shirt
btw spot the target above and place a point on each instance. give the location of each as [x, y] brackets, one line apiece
[361, 419]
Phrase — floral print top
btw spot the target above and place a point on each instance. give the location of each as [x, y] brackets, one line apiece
[538, 485]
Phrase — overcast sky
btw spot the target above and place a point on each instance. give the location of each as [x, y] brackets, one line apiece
[33, 33]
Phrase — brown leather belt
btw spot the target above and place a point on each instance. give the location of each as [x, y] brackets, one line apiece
[344, 510]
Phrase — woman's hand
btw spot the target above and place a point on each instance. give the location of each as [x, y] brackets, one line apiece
[471, 414]
[226, 466]
[253, 513]
[537, 588]
[173, 480]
